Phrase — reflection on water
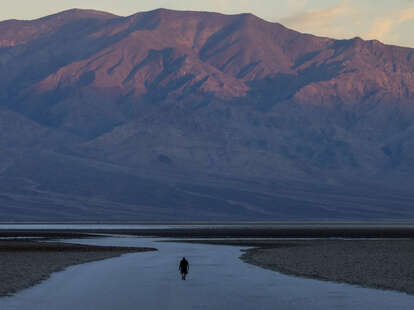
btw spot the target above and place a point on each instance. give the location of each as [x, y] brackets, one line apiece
[217, 280]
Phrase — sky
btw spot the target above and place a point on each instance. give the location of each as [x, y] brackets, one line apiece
[390, 21]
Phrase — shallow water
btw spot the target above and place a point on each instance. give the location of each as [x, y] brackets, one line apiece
[234, 225]
[217, 280]
[63, 227]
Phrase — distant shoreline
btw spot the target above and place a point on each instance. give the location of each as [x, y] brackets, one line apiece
[281, 230]
[322, 222]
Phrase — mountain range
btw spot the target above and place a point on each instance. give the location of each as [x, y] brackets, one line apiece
[179, 115]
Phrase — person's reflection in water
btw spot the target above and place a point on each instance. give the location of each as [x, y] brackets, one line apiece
[184, 268]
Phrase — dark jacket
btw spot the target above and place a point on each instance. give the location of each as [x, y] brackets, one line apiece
[184, 266]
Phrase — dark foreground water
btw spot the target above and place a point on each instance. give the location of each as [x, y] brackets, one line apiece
[217, 280]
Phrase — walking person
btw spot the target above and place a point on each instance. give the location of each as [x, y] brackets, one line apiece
[184, 268]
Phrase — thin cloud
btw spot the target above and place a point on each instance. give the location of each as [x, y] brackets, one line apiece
[317, 18]
[350, 19]
[382, 28]
[328, 22]
[296, 5]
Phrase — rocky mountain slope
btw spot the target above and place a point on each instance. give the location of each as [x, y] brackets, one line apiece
[169, 115]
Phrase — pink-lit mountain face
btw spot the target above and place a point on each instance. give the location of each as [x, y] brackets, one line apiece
[194, 115]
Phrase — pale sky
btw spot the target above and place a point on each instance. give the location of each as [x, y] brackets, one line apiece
[390, 21]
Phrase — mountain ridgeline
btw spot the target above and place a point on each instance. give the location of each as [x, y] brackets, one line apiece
[170, 115]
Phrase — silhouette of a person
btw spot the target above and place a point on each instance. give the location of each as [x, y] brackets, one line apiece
[184, 268]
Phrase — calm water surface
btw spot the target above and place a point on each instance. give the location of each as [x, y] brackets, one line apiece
[217, 280]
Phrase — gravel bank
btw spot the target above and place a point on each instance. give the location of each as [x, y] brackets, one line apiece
[26, 263]
[385, 264]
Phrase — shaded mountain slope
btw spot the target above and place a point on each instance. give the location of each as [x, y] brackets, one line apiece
[242, 109]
